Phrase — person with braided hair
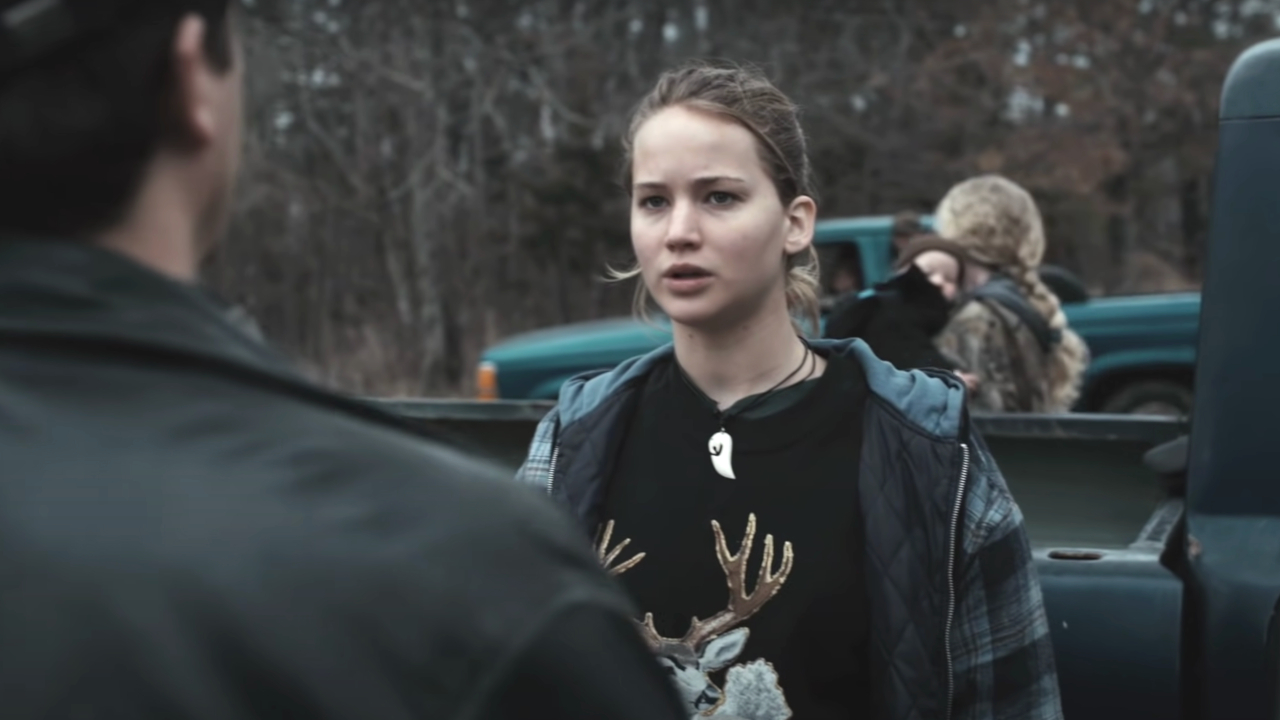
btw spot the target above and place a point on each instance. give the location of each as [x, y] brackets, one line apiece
[1008, 329]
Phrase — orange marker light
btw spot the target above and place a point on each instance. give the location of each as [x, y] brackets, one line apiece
[487, 381]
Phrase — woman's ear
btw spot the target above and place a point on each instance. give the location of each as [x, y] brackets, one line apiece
[801, 216]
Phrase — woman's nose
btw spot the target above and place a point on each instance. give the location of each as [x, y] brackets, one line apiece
[682, 227]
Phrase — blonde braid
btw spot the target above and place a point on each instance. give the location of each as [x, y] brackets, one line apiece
[1067, 360]
[1039, 294]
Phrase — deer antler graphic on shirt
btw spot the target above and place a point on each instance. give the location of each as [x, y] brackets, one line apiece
[742, 605]
[713, 644]
[608, 556]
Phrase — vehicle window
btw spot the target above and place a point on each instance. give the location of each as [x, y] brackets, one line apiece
[841, 266]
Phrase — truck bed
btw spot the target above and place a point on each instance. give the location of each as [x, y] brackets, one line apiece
[1080, 480]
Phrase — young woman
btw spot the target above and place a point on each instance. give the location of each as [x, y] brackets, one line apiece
[1009, 330]
[874, 561]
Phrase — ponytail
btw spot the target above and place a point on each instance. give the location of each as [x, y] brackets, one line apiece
[803, 288]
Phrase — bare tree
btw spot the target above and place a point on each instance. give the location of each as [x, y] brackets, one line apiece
[424, 179]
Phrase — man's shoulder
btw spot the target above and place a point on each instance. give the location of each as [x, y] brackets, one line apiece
[286, 518]
[461, 557]
[326, 479]
[422, 480]
[413, 536]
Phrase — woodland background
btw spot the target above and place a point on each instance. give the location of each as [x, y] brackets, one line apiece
[425, 177]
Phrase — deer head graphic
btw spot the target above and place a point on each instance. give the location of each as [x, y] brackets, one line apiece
[711, 645]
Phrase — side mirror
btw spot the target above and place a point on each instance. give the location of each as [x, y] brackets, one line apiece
[1169, 461]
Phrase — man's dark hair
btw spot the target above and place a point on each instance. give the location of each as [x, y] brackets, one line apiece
[849, 259]
[906, 224]
[78, 128]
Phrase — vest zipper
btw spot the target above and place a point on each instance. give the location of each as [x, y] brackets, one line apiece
[551, 470]
[951, 575]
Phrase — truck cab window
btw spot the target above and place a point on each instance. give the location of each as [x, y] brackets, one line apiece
[841, 265]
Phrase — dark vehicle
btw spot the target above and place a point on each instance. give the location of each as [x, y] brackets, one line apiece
[1159, 556]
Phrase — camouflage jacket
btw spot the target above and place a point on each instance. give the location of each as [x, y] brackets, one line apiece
[998, 337]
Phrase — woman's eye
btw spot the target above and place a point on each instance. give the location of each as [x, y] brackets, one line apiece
[721, 198]
[653, 202]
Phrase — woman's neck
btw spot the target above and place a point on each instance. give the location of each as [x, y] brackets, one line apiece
[745, 359]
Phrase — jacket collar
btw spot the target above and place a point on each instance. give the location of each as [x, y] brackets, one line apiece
[73, 290]
[932, 401]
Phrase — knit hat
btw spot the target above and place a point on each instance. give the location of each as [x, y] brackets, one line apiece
[995, 222]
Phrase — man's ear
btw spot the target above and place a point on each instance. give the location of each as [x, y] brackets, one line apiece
[801, 216]
[195, 96]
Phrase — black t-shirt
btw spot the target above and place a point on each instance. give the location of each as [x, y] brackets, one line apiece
[796, 470]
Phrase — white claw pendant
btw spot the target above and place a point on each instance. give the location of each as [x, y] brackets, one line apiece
[721, 448]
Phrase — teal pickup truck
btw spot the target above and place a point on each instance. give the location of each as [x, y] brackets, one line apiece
[1143, 347]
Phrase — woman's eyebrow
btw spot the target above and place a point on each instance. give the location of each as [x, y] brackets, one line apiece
[697, 182]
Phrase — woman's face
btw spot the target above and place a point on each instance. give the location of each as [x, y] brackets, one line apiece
[943, 270]
[707, 225]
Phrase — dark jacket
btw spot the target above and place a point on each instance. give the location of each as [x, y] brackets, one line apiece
[958, 623]
[898, 318]
[188, 529]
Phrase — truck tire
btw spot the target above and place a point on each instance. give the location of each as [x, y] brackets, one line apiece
[1151, 397]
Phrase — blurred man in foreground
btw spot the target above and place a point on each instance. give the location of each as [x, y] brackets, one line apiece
[187, 527]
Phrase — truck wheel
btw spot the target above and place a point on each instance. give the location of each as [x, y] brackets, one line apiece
[1151, 397]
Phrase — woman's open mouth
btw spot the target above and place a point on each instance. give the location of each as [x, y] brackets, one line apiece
[684, 279]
